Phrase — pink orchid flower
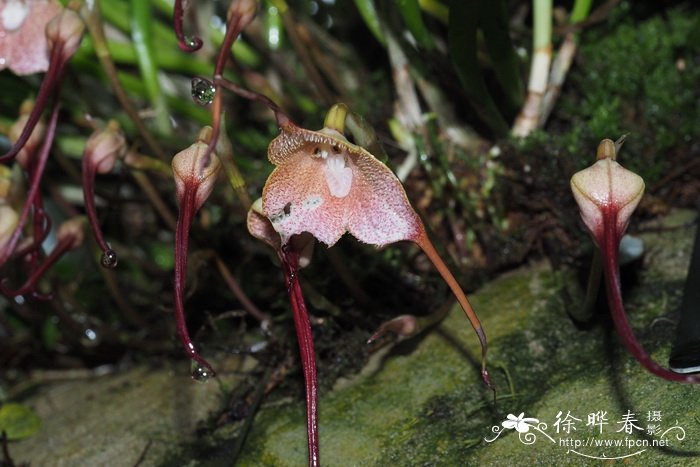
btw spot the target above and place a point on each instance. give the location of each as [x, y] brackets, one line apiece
[24, 47]
[607, 195]
[327, 186]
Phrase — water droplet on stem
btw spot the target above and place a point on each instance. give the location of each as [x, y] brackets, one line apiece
[203, 91]
[200, 372]
[109, 259]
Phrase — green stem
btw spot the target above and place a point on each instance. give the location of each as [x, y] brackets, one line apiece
[93, 20]
[141, 34]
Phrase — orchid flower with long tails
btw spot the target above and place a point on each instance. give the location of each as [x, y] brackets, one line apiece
[63, 35]
[325, 185]
[607, 195]
[195, 170]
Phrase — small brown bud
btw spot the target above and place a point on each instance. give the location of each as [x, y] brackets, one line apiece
[104, 147]
[66, 29]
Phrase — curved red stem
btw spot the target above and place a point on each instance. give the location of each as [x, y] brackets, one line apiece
[48, 85]
[89, 173]
[30, 283]
[187, 44]
[290, 266]
[182, 233]
[34, 183]
[610, 247]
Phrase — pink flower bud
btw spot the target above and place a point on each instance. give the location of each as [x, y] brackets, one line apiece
[260, 226]
[192, 170]
[606, 191]
[104, 147]
[66, 29]
[245, 10]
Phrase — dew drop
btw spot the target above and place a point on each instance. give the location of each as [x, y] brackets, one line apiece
[90, 338]
[109, 259]
[191, 41]
[200, 372]
[202, 91]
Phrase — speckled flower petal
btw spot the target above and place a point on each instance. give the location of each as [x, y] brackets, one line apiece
[327, 186]
[24, 48]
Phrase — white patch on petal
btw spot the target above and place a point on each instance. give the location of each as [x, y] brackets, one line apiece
[14, 14]
[338, 176]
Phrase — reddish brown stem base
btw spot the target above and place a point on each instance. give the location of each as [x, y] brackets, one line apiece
[290, 265]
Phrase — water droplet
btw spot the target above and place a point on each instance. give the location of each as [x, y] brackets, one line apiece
[191, 41]
[200, 372]
[202, 91]
[90, 338]
[109, 259]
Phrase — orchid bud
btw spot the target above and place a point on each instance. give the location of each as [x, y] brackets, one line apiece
[606, 191]
[260, 226]
[36, 137]
[67, 30]
[104, 147]
[72, 231]
[193, 168]
[8, 223]
[245, 10]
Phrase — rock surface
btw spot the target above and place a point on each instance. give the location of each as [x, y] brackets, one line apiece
[422, 402]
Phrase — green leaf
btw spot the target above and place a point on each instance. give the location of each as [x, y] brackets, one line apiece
[18, 421]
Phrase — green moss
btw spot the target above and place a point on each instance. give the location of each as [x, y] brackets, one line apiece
[422, 402]
[640, 79]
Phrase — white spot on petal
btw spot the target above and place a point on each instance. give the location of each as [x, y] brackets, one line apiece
[338, 176]
[14, 14]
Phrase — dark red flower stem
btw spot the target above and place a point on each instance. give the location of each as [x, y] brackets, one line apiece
[34, 183]
[51, 81]
[89, 172]
[610, 250]
[187, 44]
[290, 266]
[30, 284]
[233, 29]
[182, 236]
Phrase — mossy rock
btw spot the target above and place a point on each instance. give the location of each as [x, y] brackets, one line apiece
[422, 402]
